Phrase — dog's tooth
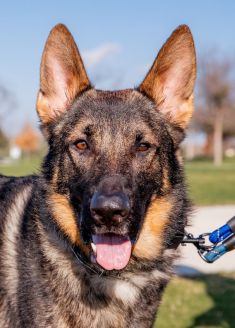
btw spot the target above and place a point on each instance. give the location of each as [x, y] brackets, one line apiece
[93, 246]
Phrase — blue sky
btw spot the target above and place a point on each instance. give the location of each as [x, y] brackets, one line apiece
[118, 39]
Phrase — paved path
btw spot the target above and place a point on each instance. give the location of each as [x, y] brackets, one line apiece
[207, 219]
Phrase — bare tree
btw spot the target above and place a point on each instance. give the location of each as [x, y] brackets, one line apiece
[215, 112]
[7, 105]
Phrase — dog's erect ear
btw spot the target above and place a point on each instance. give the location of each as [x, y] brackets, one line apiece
[62, 74]
[170, 81]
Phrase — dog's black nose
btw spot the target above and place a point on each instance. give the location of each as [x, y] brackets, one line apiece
[110, 208]
[110, 203]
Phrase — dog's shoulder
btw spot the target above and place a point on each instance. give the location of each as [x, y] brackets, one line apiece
[13, 193]
[11, 183]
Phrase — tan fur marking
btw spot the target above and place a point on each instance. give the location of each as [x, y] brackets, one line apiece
[65, 217]
[166, 182]
[185, 112]
[149, 244]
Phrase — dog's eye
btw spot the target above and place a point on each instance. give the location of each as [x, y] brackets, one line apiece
[81, 145]
[143, 147]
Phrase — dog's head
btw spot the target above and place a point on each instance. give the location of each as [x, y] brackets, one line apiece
[112, 170]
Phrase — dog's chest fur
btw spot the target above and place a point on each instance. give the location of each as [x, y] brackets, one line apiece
[42, 286]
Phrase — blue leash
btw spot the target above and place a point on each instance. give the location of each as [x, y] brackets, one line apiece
[222, 240]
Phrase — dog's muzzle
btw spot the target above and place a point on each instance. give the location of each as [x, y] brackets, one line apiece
[110, 207]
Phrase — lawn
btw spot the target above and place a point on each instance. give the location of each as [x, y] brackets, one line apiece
[206, 301]
[24, 166]
[208, 185]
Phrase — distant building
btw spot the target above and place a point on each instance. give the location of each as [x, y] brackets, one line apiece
[15, 152]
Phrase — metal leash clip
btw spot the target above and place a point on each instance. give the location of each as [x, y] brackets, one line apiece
[219, 242]
[199, 243]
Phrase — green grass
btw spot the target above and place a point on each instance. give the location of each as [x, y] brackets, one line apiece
[208, 185]
[21, 167]
[206, 301]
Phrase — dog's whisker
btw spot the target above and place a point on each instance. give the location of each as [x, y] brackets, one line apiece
[83, 262]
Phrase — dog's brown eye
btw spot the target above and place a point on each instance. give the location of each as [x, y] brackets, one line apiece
[81, 145]
[143, 147]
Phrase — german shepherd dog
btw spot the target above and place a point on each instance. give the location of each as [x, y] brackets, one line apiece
[91, 240]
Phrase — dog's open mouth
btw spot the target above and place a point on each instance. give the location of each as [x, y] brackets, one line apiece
[111, 251]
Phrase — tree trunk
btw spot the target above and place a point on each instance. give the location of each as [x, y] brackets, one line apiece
[208, 148]
[218, 136]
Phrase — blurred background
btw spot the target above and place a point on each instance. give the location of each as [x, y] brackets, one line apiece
[118, 41]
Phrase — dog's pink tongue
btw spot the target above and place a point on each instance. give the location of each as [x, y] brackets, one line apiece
[112, 251]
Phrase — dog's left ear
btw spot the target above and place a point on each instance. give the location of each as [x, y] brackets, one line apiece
[62, 75]
[170, 81]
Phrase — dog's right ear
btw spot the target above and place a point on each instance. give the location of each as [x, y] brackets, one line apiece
[62, 75]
